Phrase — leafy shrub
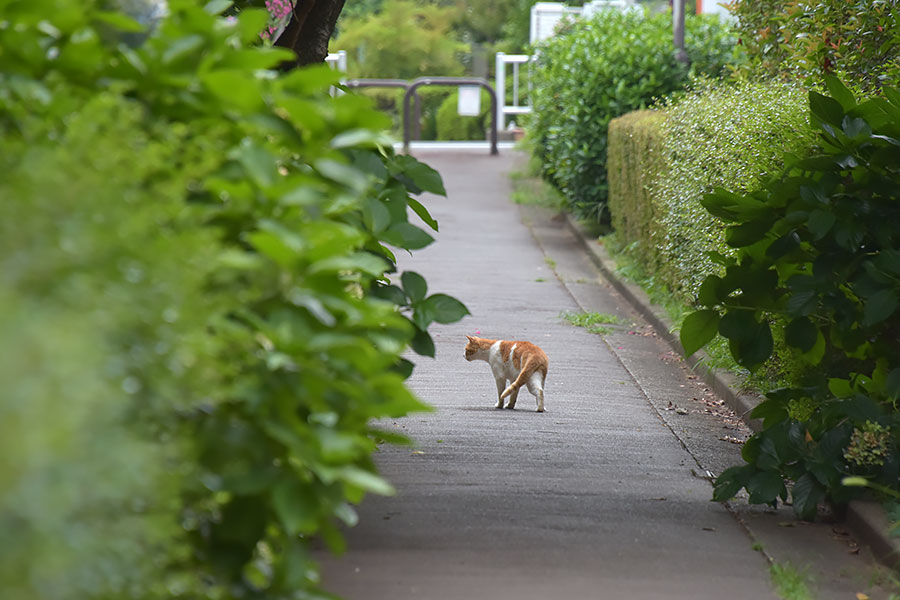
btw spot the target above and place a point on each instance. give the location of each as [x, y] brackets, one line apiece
[403, 40]
[859, 41]
[197, 289]
[817, 249]
[602, 68]
[452, 126]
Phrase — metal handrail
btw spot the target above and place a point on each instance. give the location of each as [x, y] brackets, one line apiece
[451, 81]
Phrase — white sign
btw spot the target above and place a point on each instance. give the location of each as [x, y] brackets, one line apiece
[469, 104]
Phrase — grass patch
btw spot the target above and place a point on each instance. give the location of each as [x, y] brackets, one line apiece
[531, 190]
[594, 322]
[719, 356]
[790, 584]
[550, 262]
[540, 280]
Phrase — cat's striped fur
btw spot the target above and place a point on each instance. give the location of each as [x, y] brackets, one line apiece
[521, 363]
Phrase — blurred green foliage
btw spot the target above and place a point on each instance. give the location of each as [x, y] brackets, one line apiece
[404, 40]
[857, 40]
[599, 69]
[201, 315]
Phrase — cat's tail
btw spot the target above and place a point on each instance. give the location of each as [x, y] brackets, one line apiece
[524, 374]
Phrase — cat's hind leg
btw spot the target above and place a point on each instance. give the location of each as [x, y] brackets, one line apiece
[511, 403]
[536, 387]
[501, 385]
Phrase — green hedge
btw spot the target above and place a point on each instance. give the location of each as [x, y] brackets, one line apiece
[596, 70]
[200, 313]
[452, 126]
[634, 163]
[716, 135]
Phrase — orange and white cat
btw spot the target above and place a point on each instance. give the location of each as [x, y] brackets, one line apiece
[522, 363]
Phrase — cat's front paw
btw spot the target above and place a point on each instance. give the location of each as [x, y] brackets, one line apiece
[499, 405]
[511, 406]
[540, 409]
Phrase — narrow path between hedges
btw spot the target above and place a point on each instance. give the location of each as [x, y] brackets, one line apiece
[604, 495]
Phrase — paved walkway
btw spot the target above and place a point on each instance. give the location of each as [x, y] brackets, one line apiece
[603, 495]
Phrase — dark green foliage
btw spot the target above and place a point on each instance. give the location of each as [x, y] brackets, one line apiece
[818, 250]
[599, 69]
[200, 314]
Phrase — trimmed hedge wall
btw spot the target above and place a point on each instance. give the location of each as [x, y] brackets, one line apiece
[635, 159]
[732, 136]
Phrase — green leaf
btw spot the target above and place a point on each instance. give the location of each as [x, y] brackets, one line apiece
[730, 482]
[391, 293]
[745, 234]
[120, 21]
[755, 350]
[783, 246]
[423, 213]
[825, 109]
[765, 487]
[771, 411]
[258, 162]
[698, 329]
[806, 494]
[892, 384]
[376, 215]
[296, 506]
[342, 173]
[709, 291]
[801, 333]
[855, 128]
[414, 285]
[407, 236]
[422, 343]
[840, 93]
[421, 175]
[879, 307]
[366, 480]
[820, 223]
[445, 309]
[737, 324]
[815, 354]
[840, 388]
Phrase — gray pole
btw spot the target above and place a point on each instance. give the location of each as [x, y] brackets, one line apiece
[678, 30]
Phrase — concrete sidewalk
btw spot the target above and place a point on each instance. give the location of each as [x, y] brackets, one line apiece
[606, 494]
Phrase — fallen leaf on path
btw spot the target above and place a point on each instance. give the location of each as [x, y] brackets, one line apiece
[681, 411]
[731, 439]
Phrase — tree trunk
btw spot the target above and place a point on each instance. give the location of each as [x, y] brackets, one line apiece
[309, 30]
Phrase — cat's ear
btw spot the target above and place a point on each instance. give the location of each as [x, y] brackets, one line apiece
[470, 338]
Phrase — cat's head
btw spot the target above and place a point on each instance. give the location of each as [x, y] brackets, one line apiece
[475, 344]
